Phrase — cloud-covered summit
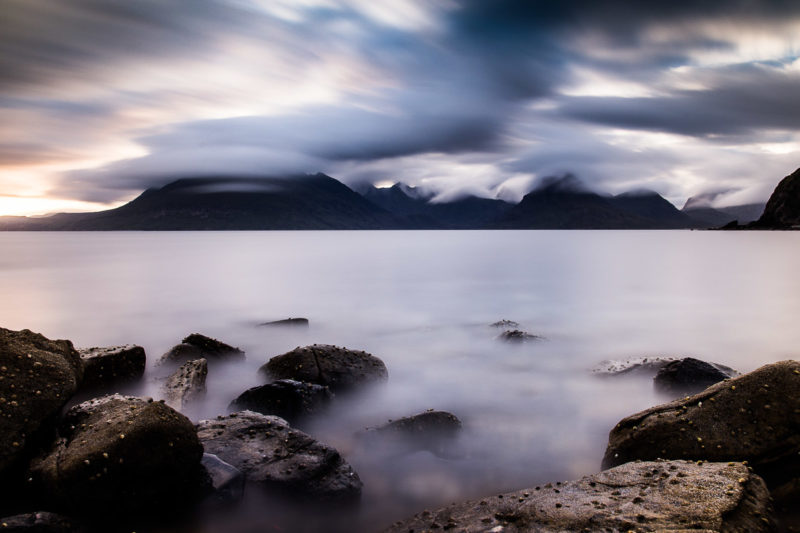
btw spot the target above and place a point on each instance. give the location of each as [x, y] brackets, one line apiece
[102, 98]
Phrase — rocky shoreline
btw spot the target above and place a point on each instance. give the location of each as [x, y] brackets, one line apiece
[724, 458]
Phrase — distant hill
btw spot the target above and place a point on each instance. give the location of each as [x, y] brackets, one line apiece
[699, 209]
[415, 210]
[305, 202]
[783, 207]
[565, 203]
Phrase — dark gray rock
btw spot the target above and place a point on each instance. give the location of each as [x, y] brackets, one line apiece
[112, 364]
[641, 496]
[227, 480]
[505, 324]
[186, 385]
[37, 377]
[291, 322]
[517, 336]
[278, 457]
[340, 369]
[435, 431]
[289, 399]
[41, 522]
[197, 346]
[689, 376]
[753, 417]
[120, 455]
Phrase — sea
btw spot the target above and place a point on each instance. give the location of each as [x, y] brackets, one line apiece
[424, 302]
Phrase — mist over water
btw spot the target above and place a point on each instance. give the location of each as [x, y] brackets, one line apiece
[423, 301]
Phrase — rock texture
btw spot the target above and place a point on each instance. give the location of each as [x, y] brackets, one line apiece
[271, 453]
[783, 208]
[339, 368]
[187, 384]
[689, 376]
[104, 366]
[37, 377]
[197, 346]
[641, 496]
[121, 455]
[435, 431]
[227, 480]
[41, 522]
[289, 399]
[755, 417]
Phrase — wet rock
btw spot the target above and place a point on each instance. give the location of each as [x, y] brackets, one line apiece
[289, 399]
[505, 324]
[197, 346]
[641, 496]
[120, 455]
[111, 364]
[227, 480]
[291, 322]
[187, 384]
[637, 366]
[753, 417]
[689, 375]
[435, 431]
[339, 368]
[517, 336]
[276, 456]
[37, 377]
[41, 522]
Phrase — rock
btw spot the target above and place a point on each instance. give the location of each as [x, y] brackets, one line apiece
[120, 455]
[41, 522]
[753, 417]
[37, 377]
[103, 366]
[338, 368]
[689, 375]
[227, 480]
[783, 207]
[197, 346]
[187, 384]
[517, 336]
[435, 431]
[274, 455]
[289, 399]
[505, 324]
[641, 496]
[294, 322]
[646, 366]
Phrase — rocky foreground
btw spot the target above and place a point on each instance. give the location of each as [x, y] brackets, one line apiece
[707, 462]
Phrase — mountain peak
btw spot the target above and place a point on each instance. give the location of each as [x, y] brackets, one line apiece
[568, 183]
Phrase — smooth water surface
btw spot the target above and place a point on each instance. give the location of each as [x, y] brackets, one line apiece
[422, 301]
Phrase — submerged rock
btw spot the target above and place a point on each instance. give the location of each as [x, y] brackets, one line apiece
[187, 384]
[293, 322]
[289, 399]
[339, 368]
[227, 480]
[640, 496]
[689, 375]
[435, 431]
[37, 377]
[517, 336]
[40, 522]
[197, 346]
[637, 366]
[121, 455]
[111, 364]
[276, 456]
[505, 324]
[753, 417]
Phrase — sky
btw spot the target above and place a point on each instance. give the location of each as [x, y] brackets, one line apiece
[101, 99]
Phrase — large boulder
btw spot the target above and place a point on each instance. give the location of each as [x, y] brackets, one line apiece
[289, 399]
[197, 346]
[435, 431]
[37, 377]
[121, 455]
[40, 522]
[689, 376]
[112, 364]
[339, 368]
[755, 417]
[186, 385]
[640, 496]
[274, 455]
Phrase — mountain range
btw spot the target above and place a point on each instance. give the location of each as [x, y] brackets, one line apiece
[319, 202]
